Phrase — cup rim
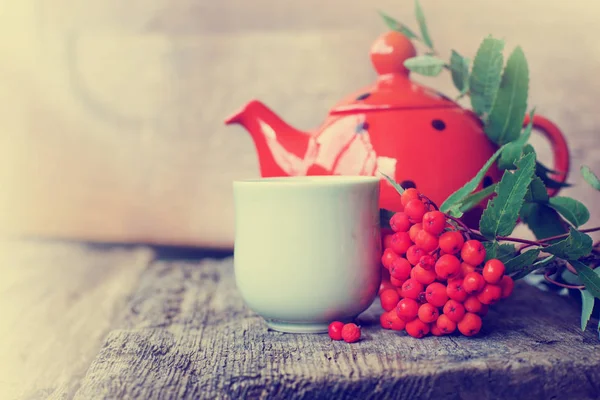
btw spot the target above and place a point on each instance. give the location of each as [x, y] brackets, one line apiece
[315, 180]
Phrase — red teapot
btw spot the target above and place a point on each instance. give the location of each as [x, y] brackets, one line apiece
[396, 126]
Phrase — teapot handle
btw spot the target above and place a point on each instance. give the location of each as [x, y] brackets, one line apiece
[560, 149]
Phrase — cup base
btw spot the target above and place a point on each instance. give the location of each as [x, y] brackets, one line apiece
[297, 327]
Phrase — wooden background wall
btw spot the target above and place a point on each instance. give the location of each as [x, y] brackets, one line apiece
[111, 112]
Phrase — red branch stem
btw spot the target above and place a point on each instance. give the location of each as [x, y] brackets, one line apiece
[564, 285]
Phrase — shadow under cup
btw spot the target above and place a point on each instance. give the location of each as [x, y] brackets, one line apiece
[307, 249]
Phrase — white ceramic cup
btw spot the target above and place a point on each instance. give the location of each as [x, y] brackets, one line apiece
[307, 248]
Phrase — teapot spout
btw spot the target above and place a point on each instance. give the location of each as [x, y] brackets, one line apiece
[282, 150]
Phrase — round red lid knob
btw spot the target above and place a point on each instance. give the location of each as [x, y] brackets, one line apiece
[389, 51]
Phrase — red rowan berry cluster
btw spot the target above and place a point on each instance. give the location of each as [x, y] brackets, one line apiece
[438, 281]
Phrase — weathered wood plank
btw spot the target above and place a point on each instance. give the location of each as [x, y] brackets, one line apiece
[57, 303]
[188, 335]
[134, 94]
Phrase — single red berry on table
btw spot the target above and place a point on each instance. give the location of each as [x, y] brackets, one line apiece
[411, 289]
[493, 271]
[407, 309]
[465, 268]
[428, 313]
[408, 195]
[417, 328]
[414, 230]
[454, 310]
[335, 330]
[388, 257]
[473, 252]
[400, 269]
[470, 324]
[455, 291]
[422, 275]
[400, 242]
[351, 333]
[434, 222]
[436, 294]
[427, 262]
[472, 304]
[415, 209]
[390, 320]
[389, 299]
[490, 294]
[435, 331]
[414, 254]
[447, 266]
[426, 241]
[473, 282]
[506, 284]
[396, 282]
[399, 222]
[385, 284]
[445, 324]
[451, 242]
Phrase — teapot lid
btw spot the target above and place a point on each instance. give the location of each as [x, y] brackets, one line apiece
[393, 88]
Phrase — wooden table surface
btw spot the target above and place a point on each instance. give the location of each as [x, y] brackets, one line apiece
[102, 322]
[134, 93]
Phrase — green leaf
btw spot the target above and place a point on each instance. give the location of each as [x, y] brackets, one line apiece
[458, 196]
[544, 262]
[394, 25]
[500, 216]
[506, 116]
[543, 221]
[425, 65]
[573, 210]
[423, 25]
[475, 198]
[574, 246]
[537, 192]
[569, 277]
[598, 327]
[590, 177]
[587, 306]
[459, 68]
[588, 277]
[514, 149]
[486, 74]
[392, 182]
[543, 173]
[525, 259]
[526, 270]
[502, 252]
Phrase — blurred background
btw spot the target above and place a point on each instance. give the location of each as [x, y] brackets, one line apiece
[111, 112]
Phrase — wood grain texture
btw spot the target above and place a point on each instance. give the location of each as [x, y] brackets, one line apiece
[187, 334]
[57, 302]
[113, 129]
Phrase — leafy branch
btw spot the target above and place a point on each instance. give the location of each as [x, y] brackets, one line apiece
[498, 92]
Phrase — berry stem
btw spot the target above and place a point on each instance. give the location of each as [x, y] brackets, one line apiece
[566, 234]
[429, 202]
[467, 230]
[564, 285]
[519, 240]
